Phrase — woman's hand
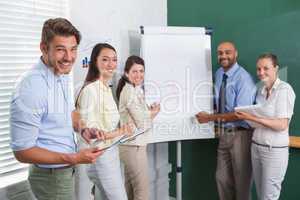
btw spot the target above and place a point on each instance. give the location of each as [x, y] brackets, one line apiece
[244, 116]
[92, 133]
[127, 129]
[154, 109]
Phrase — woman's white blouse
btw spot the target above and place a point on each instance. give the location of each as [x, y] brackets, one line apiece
[280, 104]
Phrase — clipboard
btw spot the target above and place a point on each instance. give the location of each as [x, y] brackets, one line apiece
[119, 140]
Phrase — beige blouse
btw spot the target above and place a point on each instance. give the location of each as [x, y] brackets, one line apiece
[98, 108]
[133, 108]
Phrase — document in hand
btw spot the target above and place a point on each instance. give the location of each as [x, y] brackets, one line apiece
[104, 145]
[257, 110]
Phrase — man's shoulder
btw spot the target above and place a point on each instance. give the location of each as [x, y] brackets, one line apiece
[33, 75]
[218, 73]
[243, 74]
[35, 81]
[31, 93]
[219, 70]
[243, 70]
[32, 83]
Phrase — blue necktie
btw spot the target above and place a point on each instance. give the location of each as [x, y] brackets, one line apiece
[222, 94]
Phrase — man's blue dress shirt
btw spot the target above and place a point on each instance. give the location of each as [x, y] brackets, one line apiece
[240, 90]
[40, 112]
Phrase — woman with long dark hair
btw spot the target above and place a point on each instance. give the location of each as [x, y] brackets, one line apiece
[133, 108]
[99, 110]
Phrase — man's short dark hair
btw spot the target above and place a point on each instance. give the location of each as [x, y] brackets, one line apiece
[58, 27]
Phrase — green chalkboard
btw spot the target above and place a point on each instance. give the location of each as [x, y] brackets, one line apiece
[255, 27]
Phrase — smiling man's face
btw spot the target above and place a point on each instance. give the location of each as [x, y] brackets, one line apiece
[227, 55]
[60, 54]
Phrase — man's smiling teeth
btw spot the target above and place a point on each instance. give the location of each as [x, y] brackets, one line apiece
[65, 64]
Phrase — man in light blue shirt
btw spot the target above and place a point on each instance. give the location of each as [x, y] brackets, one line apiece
[234, 87]
[41, 116]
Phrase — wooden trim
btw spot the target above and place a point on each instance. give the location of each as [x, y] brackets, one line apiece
[295, 141]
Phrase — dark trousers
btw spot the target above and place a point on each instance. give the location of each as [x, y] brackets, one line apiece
[234, 171]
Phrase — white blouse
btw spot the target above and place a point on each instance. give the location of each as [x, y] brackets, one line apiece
[280, 104]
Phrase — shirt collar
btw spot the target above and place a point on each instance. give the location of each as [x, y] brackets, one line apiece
[138, 88]
[103, 86]
[274, 87]
[49, 75]
[231, 70]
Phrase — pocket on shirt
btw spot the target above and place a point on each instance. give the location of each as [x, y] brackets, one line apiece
[230, 97]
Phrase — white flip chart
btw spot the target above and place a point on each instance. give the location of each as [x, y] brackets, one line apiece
[178, 75]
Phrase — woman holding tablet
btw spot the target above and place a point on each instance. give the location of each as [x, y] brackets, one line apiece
[99, 110]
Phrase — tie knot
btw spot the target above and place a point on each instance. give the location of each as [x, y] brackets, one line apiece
[225, 77]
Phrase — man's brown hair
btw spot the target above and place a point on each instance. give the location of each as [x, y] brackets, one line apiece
[58, 27]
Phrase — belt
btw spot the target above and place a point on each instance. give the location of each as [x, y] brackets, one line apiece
[268, 146]
[55, 169]
[238, 128]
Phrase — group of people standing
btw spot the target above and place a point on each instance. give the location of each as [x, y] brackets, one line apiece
[43, 117]
[261, 150]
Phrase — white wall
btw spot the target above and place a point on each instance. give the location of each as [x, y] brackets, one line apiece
[98, 20]
[111, 20]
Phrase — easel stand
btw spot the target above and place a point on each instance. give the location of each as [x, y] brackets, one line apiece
[178, 171]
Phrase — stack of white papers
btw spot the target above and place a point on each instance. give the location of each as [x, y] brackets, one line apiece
[257, 110]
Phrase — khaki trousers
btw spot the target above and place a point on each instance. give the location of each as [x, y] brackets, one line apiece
[234, 171]
[136, 171]
[48, 184]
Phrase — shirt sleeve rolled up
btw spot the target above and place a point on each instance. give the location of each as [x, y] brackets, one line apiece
[27, 107]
